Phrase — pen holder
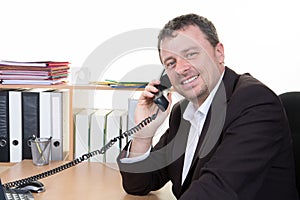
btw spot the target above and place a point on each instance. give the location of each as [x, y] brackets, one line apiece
[40, 150]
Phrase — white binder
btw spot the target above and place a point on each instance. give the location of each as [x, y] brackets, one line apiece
[98, 131]
[116, 124]
[45, 114]
[82, 131]
[60, 117]
[132, 103]
[15, 125]
[57, 126]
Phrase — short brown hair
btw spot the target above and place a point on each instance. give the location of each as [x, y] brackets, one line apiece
[183, 21]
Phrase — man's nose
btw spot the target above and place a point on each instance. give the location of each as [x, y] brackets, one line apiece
[182, 65]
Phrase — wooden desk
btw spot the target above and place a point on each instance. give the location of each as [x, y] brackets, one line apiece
[84, 181]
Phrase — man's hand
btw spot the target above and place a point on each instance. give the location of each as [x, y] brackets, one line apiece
[142, 140]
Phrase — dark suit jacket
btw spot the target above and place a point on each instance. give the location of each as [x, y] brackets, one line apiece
[244, 151]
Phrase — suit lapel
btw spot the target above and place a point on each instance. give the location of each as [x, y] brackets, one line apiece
[213, 126]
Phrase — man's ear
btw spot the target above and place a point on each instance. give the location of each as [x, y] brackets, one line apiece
[219, 51]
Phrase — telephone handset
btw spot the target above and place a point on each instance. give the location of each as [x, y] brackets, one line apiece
[159, 98]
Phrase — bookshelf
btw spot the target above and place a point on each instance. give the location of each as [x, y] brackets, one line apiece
[69, 155]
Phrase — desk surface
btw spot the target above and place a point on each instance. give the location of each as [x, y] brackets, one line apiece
[85, 181]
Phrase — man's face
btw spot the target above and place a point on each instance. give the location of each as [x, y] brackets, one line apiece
[193, 65]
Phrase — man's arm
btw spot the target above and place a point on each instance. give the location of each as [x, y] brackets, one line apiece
[155, 170]
[144, 176]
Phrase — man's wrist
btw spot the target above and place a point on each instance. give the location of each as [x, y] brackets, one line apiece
[139, 146]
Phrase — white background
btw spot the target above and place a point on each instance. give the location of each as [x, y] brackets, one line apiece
[259, 36]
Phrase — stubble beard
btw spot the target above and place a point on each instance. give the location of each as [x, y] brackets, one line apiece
[197, 97]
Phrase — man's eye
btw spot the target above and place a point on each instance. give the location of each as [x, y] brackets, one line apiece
[170, 64]
[191, 55]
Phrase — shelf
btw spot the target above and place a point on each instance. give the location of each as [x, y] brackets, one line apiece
[58, 86]
[71, 88]
[103, 87]
[67, 86]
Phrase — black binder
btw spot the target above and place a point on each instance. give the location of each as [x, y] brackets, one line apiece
[4, 126]
[30, 121]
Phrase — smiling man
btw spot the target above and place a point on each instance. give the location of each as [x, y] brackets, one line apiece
[227, 139]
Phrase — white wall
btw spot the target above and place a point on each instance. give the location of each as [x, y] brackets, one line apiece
[260, 37]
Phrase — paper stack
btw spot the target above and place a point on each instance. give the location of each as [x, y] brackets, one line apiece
[40, 72]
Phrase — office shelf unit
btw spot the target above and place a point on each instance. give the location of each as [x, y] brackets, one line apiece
[71, 88]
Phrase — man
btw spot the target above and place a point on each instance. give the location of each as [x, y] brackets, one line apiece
[228, 139]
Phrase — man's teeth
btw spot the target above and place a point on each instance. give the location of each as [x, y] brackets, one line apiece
[190, 80]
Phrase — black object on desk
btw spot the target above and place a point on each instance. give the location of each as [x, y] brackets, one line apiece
[33, 186]
[12, 194]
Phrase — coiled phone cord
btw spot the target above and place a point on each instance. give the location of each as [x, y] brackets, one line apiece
[84, 157]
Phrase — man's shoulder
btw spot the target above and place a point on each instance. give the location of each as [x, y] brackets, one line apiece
[243, 89]
[249, 92]
[244, 82]
[249, 84]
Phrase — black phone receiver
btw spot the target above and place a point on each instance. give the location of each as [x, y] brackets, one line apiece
[159, 98]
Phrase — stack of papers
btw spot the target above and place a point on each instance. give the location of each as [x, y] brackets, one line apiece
[40, 72]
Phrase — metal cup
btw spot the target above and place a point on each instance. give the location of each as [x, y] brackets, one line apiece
[40, 150]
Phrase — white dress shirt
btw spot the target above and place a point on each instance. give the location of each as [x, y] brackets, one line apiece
[196, 116]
